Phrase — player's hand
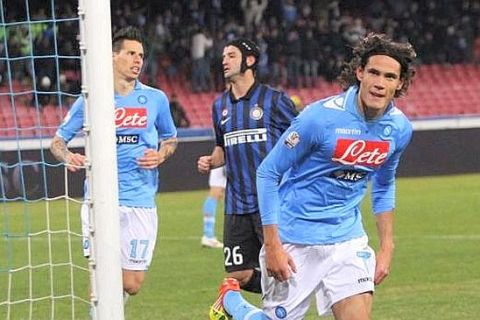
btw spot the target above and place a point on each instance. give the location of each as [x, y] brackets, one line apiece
[150, 160]
[74, 161]
[382, 266]
[204, 164]
[279, 263]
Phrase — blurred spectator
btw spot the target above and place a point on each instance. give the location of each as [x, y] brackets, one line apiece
[201, 42]
[293, 50]
[310, 50]
[178, 113]
[309, 37]
[253, 12]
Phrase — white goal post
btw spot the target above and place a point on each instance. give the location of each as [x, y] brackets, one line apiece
[97, 88]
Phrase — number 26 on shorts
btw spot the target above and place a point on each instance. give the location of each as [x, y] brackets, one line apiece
[233, 256]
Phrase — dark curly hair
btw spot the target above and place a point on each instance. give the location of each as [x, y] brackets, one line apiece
[127, 33]
[380, 44]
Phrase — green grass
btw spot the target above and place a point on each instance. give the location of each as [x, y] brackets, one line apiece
[435, 274]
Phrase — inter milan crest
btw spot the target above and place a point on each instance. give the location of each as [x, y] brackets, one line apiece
[256, 113]
[142, 99]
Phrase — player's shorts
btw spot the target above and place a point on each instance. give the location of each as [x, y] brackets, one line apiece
[217, 178]
[329, 272]
[242, 241]
[138, 234]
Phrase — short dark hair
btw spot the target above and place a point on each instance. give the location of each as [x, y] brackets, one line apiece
[380, 44]
[248, 48]
[126, 33]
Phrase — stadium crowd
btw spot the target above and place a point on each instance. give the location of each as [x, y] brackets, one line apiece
[300, 40]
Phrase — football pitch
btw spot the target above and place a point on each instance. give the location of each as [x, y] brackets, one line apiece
[435, 274]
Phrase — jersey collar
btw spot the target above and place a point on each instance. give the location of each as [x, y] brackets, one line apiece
[246, 96]
[138, 86]
[352, 106]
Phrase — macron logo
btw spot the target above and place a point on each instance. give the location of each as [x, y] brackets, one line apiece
[131, 117]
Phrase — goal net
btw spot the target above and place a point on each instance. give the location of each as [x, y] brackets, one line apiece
[42, 272]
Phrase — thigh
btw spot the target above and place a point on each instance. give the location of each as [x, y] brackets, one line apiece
[291, 299]
[138, 232]
[357, 307]
[241, 245]
[352, 265]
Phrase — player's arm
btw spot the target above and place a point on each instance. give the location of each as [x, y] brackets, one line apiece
[279, 263]
[153, 158]
[215, 160]
[286, 112]
[217, 157]
[167, 149]
[384, 221]
[59, 149]
[72, 123]
[167, 134]
[292, 146]
[383, 200]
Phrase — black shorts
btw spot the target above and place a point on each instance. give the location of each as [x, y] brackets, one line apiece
[242, 241]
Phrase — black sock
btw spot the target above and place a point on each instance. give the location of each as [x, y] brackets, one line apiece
[255, 282]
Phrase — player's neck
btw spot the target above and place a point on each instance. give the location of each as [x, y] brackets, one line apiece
[368, 113]
[123, 86]
[241, 86]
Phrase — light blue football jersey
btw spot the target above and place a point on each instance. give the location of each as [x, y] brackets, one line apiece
[312, 183]
[142, 120]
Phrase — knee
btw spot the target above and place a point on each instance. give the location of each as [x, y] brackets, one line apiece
[250, 280]
[132, 283]
[132, 287]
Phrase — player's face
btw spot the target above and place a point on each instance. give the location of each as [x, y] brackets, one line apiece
[231, 61]
[128, 62]
[378, 82]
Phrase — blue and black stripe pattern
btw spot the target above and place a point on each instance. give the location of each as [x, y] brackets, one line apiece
[247, 129]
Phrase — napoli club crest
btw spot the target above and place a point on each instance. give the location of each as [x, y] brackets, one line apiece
[142, 99]
[387, 131]
[256, 113]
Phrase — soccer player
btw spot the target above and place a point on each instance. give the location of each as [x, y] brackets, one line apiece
[216, 181]
[248, 120]
[311, 185]
[143, 120]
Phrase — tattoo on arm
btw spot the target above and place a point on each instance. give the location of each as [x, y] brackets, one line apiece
[168, 147]
[59, 148]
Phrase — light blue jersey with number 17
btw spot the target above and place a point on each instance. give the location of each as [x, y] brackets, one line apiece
[142, 120]
[312, 183]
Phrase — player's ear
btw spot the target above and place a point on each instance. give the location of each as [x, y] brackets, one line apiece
[250, 61]
[400, 85]
[359, 73]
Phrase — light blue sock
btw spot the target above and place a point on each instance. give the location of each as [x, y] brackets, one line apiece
[240, 309]
[209, 212]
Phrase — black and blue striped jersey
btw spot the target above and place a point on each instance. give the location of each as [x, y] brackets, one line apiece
[247, 129]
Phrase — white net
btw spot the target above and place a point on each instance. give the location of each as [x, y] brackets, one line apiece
[42, 272]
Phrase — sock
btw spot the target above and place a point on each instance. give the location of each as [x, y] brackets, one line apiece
[125, 297]
[91, 313]
[255, 282]
[209, 211]
[240, 309]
